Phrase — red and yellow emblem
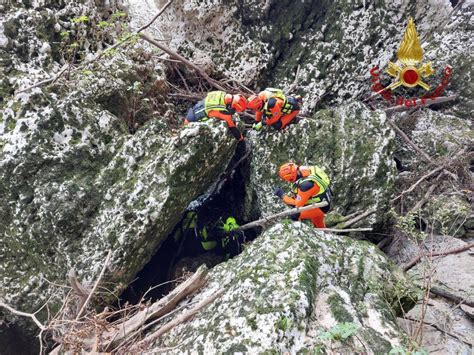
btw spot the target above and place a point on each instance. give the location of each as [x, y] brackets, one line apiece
[409, 55]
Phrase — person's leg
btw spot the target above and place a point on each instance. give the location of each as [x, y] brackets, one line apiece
[287, 119]
[190, 117]
[315, 215]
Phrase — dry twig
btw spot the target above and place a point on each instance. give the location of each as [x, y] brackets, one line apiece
[450, 296]
[24, 314]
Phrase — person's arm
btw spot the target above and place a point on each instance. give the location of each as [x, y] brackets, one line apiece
[230, 123]
[289, 200]
[258, 116]
[306, 190]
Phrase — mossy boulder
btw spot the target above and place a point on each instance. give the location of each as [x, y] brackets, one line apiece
[353, 144]
[75, 183]
[291, 286]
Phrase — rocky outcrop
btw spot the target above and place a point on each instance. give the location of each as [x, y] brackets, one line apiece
[335, 43]
[74, 181]
[292, 286]
[353, 144]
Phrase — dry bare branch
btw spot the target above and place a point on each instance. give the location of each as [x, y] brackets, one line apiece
[450, 296]
[173, 323]
[175, 55]
[358, 218]
[23, 314]
[402, 134]
[420, 180]
[417, 259]
[262, 222]
[156, 310]
[84, 306]
[420, 103]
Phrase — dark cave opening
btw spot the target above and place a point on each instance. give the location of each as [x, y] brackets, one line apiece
[226, 197]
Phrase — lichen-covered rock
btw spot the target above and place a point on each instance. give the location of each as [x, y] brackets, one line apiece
[353, 144]
[75, 185]
[334, 43]
[290, 286]
[74, 182]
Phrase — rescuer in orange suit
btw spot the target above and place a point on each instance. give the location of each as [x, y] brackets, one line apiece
[273, 108]
[220, 105]
[310, 184]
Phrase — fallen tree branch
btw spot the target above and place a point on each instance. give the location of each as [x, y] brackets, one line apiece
[450, 296]
[157, 309]
[173, 323]
[349, 216]
[84, 306]
[417, 259]
[402, 134]
[356, 219]
[441, 167]
[420, 180]
[263, 221]
[144, 27]
[420, 103]
[24, 314]
[428, 193]
[186, 62]
[336, 230]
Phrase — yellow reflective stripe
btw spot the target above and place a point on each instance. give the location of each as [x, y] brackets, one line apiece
[322, 185]
[209, 245]
[214, 101]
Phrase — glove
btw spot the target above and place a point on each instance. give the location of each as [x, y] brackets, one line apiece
[278, 191]
[257, 126]
[299, 99]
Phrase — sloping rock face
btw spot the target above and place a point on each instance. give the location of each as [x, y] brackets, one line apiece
[451, 319]
[74, 182]
[353, 144]
[291, 285]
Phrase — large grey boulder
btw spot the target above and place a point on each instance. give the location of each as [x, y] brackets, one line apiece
[74, 183]
[288, 288]
[352, 143]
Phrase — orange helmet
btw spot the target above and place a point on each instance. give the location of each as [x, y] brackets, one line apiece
[237, 102]
[288, 172]
[255, 103]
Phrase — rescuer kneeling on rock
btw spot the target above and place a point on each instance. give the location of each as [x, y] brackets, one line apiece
[310, 184]
[273, 108]
[220, 105]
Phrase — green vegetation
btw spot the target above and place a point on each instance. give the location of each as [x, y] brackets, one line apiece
[340, 332]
